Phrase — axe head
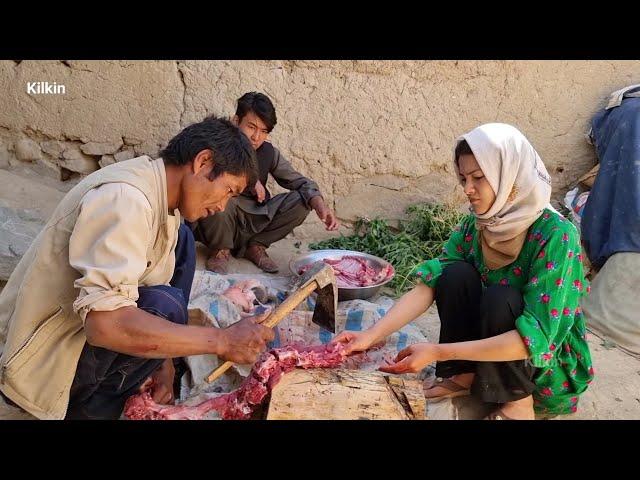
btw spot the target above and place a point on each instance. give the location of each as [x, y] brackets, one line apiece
[324, 315]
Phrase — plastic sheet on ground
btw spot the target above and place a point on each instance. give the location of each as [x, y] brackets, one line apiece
[208, 307]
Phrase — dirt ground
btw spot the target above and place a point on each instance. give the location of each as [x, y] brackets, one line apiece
[614, 394]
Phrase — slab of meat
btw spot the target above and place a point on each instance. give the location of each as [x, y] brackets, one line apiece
[352, 271]
[142, 407]
[244, 294]
[241, 403]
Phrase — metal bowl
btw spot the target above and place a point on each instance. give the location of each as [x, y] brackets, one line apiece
[344, 293]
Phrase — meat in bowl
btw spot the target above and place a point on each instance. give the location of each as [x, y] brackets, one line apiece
[353, 271]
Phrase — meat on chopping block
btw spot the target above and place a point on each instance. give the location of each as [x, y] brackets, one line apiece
[241, 403]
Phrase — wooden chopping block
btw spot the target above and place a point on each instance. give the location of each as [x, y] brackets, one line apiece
[341, 394]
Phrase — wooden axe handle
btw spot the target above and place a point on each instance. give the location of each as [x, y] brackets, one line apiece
[282, 311]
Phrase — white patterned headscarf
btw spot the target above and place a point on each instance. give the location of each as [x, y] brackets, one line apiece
[521, 183]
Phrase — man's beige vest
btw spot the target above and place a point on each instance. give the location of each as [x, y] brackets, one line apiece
[41, 337]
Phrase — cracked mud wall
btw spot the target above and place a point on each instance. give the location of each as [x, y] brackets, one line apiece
[376, 135]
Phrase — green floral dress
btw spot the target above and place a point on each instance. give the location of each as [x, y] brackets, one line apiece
[549, 274]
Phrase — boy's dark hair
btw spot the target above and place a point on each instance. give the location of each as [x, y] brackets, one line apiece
[231, 149]
[462, 148]
[259, 104]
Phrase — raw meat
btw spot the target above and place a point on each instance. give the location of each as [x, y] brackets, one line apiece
[142, 407]
[352, 271]
[245, 294]
[241, 403]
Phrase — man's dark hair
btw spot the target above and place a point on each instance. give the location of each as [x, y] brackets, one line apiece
[231, 149]
[463, 148]
[259, 104]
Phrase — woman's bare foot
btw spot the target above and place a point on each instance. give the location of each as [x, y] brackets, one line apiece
[445, 389]
[518, 410]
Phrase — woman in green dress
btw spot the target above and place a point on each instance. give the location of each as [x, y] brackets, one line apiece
[507, 287]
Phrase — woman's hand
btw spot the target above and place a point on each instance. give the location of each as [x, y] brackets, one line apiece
[413, 358]
[354, 341]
